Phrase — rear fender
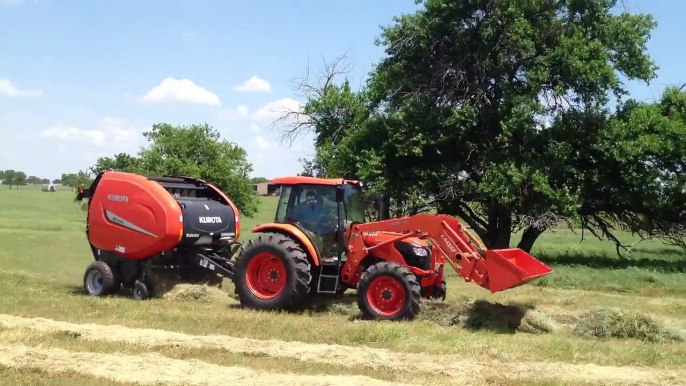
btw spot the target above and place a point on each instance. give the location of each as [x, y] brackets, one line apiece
[231, 204]
[293, 231]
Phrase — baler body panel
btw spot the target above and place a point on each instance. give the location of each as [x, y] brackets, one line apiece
[133, 216]
[205, 221]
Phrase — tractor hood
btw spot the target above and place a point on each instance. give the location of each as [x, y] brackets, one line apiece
[374, 238]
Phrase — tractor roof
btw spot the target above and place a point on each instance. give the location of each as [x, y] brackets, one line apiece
[296, 180]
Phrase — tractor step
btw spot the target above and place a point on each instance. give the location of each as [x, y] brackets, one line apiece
[328, 279]
[329, 261]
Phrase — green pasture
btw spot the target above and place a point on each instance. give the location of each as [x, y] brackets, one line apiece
[44, 253]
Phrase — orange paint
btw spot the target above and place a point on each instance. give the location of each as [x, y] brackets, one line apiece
[292, 231]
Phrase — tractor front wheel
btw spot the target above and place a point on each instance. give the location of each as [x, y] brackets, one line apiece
[389, 291]
[272, 273]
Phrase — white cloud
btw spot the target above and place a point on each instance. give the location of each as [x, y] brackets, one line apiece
[267, 113]
[9, 90]
[254, 128]
[180, 90]
[110, 132]
[116, 132]
[73, 134]
[254, 84]
[262, 144]
[275, 110]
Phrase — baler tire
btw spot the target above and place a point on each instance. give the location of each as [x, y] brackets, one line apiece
[109, 279]
[140, 290]
[405, 283]
[291, 259]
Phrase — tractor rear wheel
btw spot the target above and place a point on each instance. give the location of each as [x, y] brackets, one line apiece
[389, 291]
[272, 273]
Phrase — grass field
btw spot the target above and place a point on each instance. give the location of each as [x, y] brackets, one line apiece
[597, 319]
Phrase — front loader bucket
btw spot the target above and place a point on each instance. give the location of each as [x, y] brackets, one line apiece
[509, 268]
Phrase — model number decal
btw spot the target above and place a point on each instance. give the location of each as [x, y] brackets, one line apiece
[117, 198]
[449, 244]
[210, 220]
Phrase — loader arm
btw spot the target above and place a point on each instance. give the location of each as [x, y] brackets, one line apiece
[493, 269]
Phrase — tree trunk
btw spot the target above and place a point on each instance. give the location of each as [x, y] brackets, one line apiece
[385, 211]
[499, 228]
[499, 239]
[529, 238]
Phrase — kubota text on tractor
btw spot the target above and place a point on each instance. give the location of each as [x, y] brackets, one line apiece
[319, 242]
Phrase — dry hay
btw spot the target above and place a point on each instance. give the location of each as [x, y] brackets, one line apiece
[481, 314]
[467, 370]
[171, 283]
[152, 369]
[617, 323]
[203, 293]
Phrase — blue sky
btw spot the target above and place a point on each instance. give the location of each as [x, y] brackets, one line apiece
[82, 79]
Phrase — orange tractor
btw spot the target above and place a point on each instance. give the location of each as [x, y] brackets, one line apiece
[319, 242]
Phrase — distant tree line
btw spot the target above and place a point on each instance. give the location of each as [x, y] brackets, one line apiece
[74, 180]
[15, 178]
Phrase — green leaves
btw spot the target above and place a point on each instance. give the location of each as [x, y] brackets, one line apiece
[196, 151]
[495, 111]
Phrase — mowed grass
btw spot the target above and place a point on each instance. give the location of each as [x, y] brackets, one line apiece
[45, 252]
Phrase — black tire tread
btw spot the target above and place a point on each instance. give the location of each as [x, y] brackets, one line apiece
[147, 290]
[294, 252]
[395, 270]
[109, 279]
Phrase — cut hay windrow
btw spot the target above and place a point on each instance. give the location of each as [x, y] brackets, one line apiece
[154, 369]
[467, 370]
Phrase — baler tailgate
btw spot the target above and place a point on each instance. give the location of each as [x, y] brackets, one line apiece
[509, 268]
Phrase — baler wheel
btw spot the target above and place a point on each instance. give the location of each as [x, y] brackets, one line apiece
[99, 280]
[273, 272]
[389, 291]
[140, 291]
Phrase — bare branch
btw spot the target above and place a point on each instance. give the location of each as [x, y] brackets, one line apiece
[296, 122]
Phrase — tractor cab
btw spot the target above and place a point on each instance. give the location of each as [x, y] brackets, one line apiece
[323, 209]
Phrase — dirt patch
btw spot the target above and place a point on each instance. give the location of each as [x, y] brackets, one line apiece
[484, 315]
[468, 370]
[617, 323]
[152, 369]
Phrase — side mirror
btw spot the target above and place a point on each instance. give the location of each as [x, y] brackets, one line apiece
[340, 194]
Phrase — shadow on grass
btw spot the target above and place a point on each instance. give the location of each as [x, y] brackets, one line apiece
[344, 304]
[675, 264]
[483, 315]
[79, 290]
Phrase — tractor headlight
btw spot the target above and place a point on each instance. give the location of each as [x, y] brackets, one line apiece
[419, 251]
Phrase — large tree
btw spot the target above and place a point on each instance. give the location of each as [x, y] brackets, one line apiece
[74, 180]
[474, 110]
[8, 177]
[20, 179]
[196, 151]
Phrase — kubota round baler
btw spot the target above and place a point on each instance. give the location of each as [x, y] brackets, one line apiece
[137, 224]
